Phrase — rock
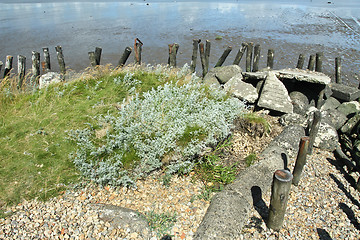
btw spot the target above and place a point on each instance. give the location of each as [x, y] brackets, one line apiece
[255, 75]
[344, 93]
[49, 78]
[274, 95]
[350, 124]
[119, 217]
[211, 80]
[224, 74]
[330, 103]
[259, 86]
[292, 119]
[327, 137]
[334, 117]
[349, 108]
[303, 76]
[241, 90]
[300, 102]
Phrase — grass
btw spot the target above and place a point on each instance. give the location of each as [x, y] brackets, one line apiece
[34, 151]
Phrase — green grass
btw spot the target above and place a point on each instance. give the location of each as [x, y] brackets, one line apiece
[34, 151]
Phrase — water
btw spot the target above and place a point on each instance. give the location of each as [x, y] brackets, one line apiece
[289, 27]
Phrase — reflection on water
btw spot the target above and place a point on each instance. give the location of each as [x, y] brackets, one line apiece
[289, 27]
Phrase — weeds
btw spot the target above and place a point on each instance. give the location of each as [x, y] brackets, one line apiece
[250, 160]
[161, 223]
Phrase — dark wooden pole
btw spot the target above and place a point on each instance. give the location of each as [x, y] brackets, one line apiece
[280, 190]
[223, 56]
[300, 62]
[240, 54]
[256, 60]
[319, 59]
[1, 64]
[300, 160]
[138, 49]
[60, 58]
[194, 54]
[338, 70]
[270, 59]
[358, 184]
[8, 65]
[98, 51]
[92, 58]
[207, 54]
[314, 130]
[21, 69]
[173, 49]
[311, 65]
[249, 51]
[47, 66]
[35, 66]
[202, 58]
[125, 56]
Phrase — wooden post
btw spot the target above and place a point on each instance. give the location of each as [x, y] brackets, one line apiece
[223, 56]
[300, 62]
[207, 54]
[270, 59]
[60, 58]
[338, 70]
[98, 51]
[1, 64]
[125, 56]
[311, 65]
[314, 130]
[194, 54]
[320, 100]
[92, 58]
[202, 58]
[46, 60]
[300, 160]
[173, 49]
[8, 65]
[256, 60]
[280, 190]
[21, 69]
[240, 54]
[249, 51]
[358, 184]
[319, 59]
[138, 48]
[35, 66]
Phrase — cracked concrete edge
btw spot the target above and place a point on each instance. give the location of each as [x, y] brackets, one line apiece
[229, 209]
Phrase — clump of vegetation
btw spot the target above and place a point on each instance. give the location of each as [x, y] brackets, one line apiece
[161, 223]
[250, 159]
[218, 37]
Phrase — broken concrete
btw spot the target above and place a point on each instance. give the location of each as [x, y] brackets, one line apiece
[344, 93]
[303, 76]
[241, 90]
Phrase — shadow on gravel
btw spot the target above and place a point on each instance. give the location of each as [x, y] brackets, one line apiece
[340, 167]
[258, 202]
[350, 214]
[323, 234]
[342, 188]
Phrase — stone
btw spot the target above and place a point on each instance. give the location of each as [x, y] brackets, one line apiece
[327, 137]
[225, 73]
[254, 75]
[241, 90]
[300, 102]
[259, 86]
[330, 103]
[274, 95]
[49, 78]
[334, 117]
[350, 124]
[344, 93]
[211, 80]
[349, 108]
[303, 76]
[292, 119]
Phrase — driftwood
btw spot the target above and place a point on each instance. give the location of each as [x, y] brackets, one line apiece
[270, 59]
[223, 56]
[194, 54]
[256, 58]
[46, 65]
[249, 52]
[240, 54]
[21, 70]
[60, 58]
[300, 160]
[124, 56]
[8, 65]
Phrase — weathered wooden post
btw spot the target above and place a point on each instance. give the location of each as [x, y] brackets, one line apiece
[300, 160]
[173, 49]
[138, 48]
[35, 58]
[319, 59]
[92, 58]
[256, 60]
[314, 130]
[311, 65]
[1, 64]
[60, 58]
[338, 70]
[46, 66]
[21, 69]
[98, 51]
[194, 54]
[249, 51]
[207, 54]
[202, 58]
[280, 190]
[358, 184]
[125, 56]
[270, 59]
[223, 56]
[240, 54]
[300, 62]
[8, 65]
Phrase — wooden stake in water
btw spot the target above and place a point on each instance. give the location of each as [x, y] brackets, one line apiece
[319, 59]
[173, 49]
[8, 65]
[92, 59]
[256, 58]
[194, 54]
[270, 59]
[21, 69]
[125, 56]
[311, 65]
[240, 54]
[223, 56]
[207, 54]
[60, 58]
[1, 64]
[249, 52]
[35, 58]
[338, 70]
[300, 160]
[280, 190]
[98, 51]
[46, 60]
[203, 59]
[300, 62]
[138, 49]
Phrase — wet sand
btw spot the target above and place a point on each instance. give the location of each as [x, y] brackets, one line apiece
[289, 27]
